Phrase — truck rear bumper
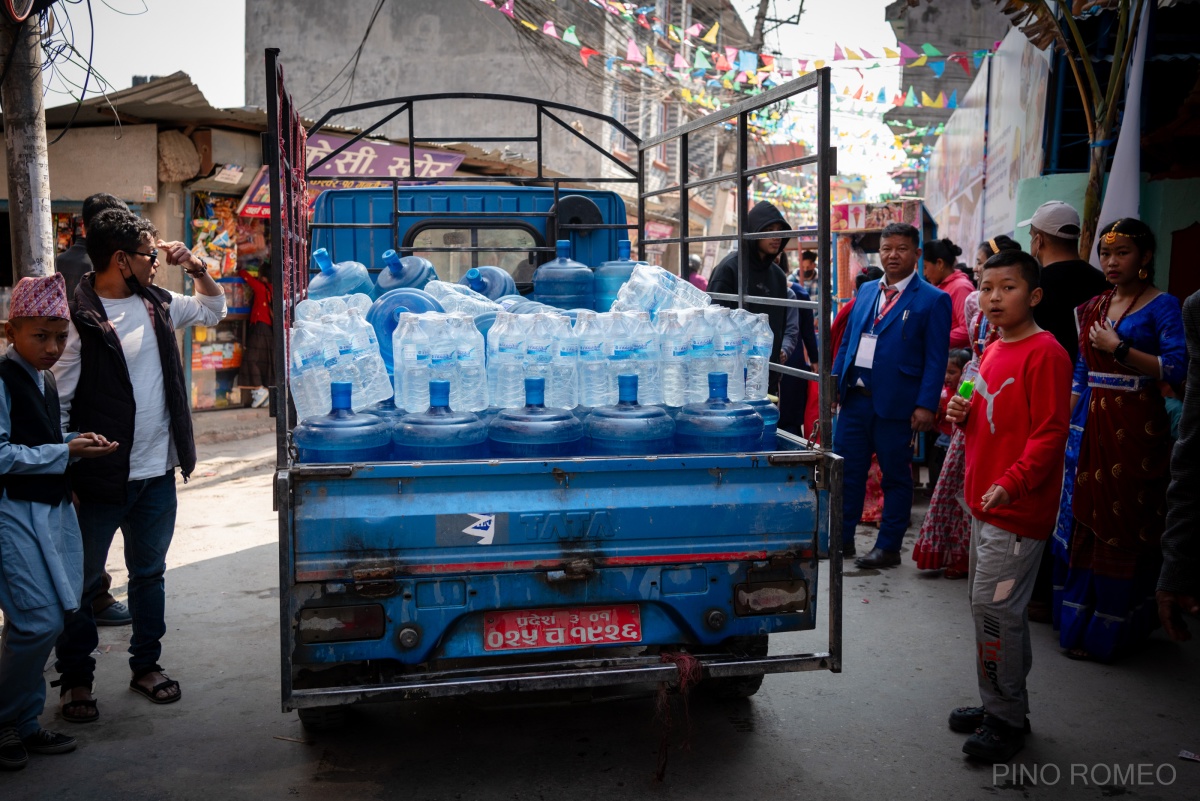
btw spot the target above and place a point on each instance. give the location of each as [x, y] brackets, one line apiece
[554, 676]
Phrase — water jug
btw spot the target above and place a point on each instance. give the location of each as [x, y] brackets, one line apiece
[342, 435]
[718, 425]
[611, 275]
[769, 412]
[385, 312]
[439, 433]
[564, 282]
[387, 411]
[491, 282]
[409, 272]
[629, 429]
[535, 432]
[343, 278]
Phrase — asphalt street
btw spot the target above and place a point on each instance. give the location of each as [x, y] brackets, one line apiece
[875, 731]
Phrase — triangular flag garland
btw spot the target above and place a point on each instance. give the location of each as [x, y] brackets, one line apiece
[851, 55]
[679, 63]
[938, 67]
[585, 53]
[920, 62]
[906, 51]
[711, 36]
[930, 50]
[838, 55]
[548, 29]
[632, 54]
[890, 53]
[701, 62]
[570, 38]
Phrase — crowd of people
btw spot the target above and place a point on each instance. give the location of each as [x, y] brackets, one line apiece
[1046, 383]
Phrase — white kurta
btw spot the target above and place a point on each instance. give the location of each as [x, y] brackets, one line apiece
[41, 550]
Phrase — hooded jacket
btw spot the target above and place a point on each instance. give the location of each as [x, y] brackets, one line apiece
[766, 278]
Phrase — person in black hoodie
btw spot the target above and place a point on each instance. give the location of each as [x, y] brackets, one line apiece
[767, 279]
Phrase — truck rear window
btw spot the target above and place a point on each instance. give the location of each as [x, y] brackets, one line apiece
[511, 245]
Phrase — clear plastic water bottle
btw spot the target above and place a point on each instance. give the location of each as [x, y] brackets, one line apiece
[676, 350]
[309, 380]
[443, 358]
[647, 360]
[460, 298]
[564, 365]
[727, 351]
[371, 383]
[744, 321]
[338, 358]
[701, 360]
[620, 355]
[410, 346]
[539, 348]
[472, 369]
[506, 362]
[358, 301]
[307, 311]
[593, 360]
[758, 358]
[343, 278]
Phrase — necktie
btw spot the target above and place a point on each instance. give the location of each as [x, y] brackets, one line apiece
[890, 293]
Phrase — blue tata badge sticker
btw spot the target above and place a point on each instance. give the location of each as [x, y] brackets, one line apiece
[472, 530]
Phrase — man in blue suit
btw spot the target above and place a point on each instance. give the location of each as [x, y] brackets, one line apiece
[890, 370]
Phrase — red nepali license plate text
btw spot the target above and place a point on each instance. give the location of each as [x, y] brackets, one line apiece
[558, 628]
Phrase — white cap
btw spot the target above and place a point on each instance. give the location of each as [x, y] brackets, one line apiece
[1055, 218]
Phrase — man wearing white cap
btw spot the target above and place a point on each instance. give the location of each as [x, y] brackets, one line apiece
[1067, 280]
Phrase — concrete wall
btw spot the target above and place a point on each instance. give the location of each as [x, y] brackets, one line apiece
[122, 162]
[427, 46]
[1166, 206]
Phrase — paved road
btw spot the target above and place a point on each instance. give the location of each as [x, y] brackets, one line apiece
[876, 731]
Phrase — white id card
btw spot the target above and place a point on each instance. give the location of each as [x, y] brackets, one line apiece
[865, 357]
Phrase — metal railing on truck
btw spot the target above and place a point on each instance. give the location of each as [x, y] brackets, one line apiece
[285, 155]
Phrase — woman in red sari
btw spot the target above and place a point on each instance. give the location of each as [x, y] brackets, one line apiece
[1106, 544]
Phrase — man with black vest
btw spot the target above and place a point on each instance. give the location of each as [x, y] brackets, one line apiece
[121, 376]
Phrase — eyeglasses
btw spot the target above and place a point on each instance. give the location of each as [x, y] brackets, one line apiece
[152, 255]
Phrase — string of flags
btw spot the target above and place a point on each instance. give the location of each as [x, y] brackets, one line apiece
[745, 71]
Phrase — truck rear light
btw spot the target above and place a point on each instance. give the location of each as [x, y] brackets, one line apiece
[770, 597]
[341, 623]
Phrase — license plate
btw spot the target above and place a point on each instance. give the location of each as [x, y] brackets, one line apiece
[562, 628]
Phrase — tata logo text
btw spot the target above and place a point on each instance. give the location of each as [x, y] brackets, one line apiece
[583, 525]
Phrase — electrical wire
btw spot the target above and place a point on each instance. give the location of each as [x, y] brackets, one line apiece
[86, 77]
[347, 84]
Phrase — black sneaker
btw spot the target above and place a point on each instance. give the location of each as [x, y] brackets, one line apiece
[13, 755]
[967, 719]
[994, 741]
[48, 742]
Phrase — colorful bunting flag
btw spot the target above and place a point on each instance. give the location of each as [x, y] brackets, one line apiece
[608, 63]
[585, 53]
[768, 62]
[548, 29]
[641, 18]
[851, 55]
[920, 62]
[673, 33]
[529, 25]
[679, 63]
[711, 36]
[866, 55]
[941, 100]
[838, 55]
[961, 60]
[858, 95]
[938, 67]
[906, 51]
[722, 63]
[953, 101]
[890, 53]
[910, 99]
[701, 62]
[695, 30]
[507, 8]
[747, 61]
[926, 100]
[979, 54]
[930, 50]
[882, 99]
[818, 65]
[633, 54]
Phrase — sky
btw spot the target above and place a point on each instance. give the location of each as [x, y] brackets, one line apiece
[204, 38]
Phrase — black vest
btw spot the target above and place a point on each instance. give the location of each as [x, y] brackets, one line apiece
[103, 401]
[35, 421]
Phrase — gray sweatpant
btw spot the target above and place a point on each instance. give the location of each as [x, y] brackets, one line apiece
[1002, 571]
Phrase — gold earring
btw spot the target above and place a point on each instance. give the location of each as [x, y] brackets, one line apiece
[1142, 274]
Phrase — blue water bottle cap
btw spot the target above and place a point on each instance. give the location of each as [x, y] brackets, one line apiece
[324, 262]
[391, 260]
[535, 392]
[475, 279]
[718, 386]
[564, 248]
[627, 388]
[439, 393]
[340, 393]
[623, 250]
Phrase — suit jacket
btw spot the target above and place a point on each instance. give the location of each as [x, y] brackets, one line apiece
[1181, 540]
[909, 369]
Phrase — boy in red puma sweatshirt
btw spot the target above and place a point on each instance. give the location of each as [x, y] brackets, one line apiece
[1016, 434]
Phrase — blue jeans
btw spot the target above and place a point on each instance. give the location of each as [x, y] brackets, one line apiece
[860, 435]
[147, 521]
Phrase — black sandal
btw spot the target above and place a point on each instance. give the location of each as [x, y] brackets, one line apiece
[76, 711]
[152, 693]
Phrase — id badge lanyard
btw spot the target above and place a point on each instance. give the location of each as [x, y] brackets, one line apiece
[865, 357]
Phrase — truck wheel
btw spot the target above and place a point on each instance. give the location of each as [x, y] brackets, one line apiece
[735, 687]
[322, 718]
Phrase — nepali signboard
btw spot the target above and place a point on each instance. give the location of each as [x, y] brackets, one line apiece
[365, 159]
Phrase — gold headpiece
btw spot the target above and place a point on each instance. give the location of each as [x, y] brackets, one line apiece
[995, 248]
[1111, 237]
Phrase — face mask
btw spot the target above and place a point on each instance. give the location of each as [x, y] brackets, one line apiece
[134, 285]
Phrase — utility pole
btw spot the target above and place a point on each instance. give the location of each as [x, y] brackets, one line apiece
[760, 21]
[25, 148]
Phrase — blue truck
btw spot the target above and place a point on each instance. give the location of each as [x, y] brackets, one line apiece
[416, 580]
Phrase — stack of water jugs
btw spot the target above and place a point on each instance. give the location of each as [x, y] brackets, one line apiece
[662, 372]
